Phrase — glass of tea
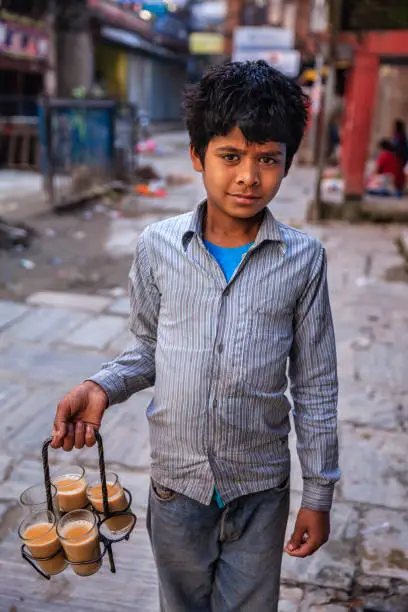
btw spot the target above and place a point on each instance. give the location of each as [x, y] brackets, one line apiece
[39, 532]
[116, 500]
[71, 488]
[79, 537]
[34, 499]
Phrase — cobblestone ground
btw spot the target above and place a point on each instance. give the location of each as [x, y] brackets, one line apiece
[50, 342]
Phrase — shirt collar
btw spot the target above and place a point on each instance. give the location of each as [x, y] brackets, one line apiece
[269, 230]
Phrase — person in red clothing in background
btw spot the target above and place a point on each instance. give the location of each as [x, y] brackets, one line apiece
[389, 163]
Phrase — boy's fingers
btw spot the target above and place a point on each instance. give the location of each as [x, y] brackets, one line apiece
[305, 549]
[59, 432]
[89, 435]
[69, 439]
[296, 540]
[79, 434]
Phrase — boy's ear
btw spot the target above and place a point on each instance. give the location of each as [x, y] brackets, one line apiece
[197, 164]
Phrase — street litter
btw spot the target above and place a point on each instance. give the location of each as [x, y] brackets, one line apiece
[146, 146]
[115, 214]
[12, 236]
[152, 189]
[87, 216]
[79, 235]
[363, 281]
[99, 208]
[49, 232]
[361, 343]
[56, 261]
[27, 264]
[375, 529]
[116, 292]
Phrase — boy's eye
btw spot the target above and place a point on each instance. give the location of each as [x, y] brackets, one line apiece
[269, 161]
[230, 157]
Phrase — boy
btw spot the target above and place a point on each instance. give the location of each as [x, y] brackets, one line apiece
[221, 298]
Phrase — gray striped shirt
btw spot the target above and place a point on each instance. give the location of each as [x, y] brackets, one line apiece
[217, 354]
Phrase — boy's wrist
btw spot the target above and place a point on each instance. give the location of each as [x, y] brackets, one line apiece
[110, 383]
[97, 391]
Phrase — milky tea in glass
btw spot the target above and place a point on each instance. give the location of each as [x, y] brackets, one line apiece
[39, 533]
[71, 487]
[116, 499]
[80, 539]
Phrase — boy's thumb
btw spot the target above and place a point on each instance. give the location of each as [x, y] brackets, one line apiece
[296, 539]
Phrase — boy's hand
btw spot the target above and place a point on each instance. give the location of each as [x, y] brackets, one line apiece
[77, 415]
[312, 530]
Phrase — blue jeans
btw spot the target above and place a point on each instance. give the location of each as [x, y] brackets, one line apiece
[218, 560]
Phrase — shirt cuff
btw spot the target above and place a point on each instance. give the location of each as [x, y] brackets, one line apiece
[112, 384]
[317, 497]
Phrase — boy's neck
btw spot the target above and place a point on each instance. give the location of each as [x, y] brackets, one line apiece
[228, 232]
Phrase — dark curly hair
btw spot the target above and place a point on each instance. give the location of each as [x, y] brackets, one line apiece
[262, 102]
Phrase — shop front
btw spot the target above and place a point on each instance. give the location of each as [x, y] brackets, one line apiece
[148, 75]
[23, 64]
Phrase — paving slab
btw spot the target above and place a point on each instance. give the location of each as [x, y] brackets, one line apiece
[374, 466]
[121, 343]
[46, 325]
[372, 370]
[10, 312]
[26, 473]
[364, 406]
[384, 550]
[290, 599]
[75, 301]
[42, 364]
[120, 306]
[5, 462]
[324, 600]
[333, 566]
[97, 333]
[30, 421]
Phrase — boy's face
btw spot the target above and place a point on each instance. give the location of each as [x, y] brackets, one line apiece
[241, 178]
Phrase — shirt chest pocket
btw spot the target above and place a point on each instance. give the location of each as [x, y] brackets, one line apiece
[267, 347]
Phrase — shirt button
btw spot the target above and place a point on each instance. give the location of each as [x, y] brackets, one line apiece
[215, 403]
[220, 348]
[227, 292]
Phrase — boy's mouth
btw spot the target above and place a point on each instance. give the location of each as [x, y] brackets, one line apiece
[244, 198]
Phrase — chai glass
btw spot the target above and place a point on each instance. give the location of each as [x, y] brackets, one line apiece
[79, 537]
[39, 533]
[71, 488]
[117, 502]
[34, 499]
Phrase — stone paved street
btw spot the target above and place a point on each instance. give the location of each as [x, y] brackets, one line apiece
[51, 341]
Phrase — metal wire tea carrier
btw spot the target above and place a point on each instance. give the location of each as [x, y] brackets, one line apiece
[102, 517]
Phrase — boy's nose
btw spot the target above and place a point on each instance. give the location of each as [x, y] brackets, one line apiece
[249, 175]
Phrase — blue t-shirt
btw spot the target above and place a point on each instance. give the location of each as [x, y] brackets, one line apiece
[228, 260]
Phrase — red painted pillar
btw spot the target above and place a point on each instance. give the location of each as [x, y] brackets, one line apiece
[356, 132]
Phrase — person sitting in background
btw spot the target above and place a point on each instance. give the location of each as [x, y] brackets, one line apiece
[400, 142]
[388, 178]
